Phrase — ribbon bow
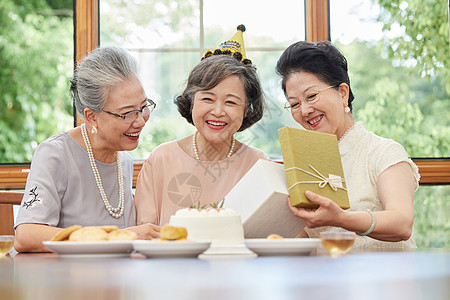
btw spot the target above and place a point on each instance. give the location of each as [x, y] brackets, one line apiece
[334, 182]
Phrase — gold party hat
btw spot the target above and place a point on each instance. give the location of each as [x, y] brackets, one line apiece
[234, 47]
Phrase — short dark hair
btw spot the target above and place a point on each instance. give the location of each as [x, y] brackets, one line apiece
[210, 72]
[319, 58]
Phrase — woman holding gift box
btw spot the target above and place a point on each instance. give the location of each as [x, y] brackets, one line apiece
[380, 178]
[223, 96]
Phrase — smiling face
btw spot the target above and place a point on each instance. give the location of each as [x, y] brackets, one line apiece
[325, 115]
[113, 133]
[217, 113]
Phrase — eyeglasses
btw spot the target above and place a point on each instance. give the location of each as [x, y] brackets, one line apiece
[309, 99]
[131, 116]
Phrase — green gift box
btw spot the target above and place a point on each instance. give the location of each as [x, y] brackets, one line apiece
[312, 162]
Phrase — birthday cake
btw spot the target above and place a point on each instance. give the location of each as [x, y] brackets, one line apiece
[221, 226]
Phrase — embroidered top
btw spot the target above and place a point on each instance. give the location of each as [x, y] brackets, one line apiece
[364, 157]
[61, 190]
[170, 180]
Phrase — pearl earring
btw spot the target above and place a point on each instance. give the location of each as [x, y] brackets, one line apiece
[94, 130]
[347, 109]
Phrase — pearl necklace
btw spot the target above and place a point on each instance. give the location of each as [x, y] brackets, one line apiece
[194, 145]
[115, 212]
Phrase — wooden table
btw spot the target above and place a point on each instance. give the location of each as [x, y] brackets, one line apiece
[358, 275]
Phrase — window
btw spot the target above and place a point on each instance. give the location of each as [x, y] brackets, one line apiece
[413, 112]
[172, 38]
[34, 71]
[48, 103]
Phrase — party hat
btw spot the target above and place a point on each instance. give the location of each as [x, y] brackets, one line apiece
[234, 47]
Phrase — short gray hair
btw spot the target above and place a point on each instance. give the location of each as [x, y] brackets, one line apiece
[98, 73]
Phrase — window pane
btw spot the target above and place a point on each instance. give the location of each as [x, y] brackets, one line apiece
[163, 75]
[264, 134]
[268, 23]
[149, 24]
[431, 215]
[396, 95]
[354, 20]
[168, 44]
[35, 68]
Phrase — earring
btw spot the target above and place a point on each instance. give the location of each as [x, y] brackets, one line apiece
[347, 109]
[94, 130]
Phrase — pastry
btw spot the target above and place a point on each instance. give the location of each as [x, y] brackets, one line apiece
[122, 235]
[64, 234]
[171, 233]
[274, 236]
[89, 233]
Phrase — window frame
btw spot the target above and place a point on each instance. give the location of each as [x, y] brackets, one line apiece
[433, 171]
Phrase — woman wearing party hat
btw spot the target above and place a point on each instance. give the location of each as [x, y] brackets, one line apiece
[223, 96]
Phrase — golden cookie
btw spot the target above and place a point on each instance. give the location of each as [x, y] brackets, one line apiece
[170, 233]
[121, 235]
[108, 228]
[89, 233]
[65, 233]
[274, 236]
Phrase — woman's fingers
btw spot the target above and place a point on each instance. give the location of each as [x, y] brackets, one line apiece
[313, 197]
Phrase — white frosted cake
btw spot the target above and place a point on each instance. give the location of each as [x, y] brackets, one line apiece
[220, 226]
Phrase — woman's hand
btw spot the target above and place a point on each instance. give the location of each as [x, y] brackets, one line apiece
[146, 231]
[396, 186]
[327, 214]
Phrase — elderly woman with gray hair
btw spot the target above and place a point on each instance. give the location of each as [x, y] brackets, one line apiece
[82, 176]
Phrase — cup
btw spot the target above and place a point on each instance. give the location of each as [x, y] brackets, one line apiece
[337, 243]
[6, 243]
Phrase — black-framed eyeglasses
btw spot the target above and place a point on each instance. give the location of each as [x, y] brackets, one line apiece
[131, 116]
[309, 99]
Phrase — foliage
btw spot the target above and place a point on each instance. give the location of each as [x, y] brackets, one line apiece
[426, 34]
[35, 64]
[431, 221]
[397, 103]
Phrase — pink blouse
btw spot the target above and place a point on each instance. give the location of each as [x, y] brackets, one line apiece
[170, 180]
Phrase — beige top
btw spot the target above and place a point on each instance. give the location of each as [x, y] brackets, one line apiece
[170, 180]
[364, 157]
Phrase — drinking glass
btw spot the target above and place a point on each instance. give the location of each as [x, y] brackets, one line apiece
[337, 243]
[6, 243]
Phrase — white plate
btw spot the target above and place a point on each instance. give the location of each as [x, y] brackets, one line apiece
[159, 249]
[101, 249]
[264, 247]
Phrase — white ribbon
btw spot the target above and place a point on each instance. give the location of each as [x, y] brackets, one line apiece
[334, 181]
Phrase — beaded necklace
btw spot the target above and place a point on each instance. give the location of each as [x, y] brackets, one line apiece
[194, 145]
[115, 212]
